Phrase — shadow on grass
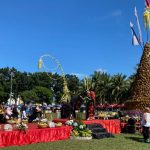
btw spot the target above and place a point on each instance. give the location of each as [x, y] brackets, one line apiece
[137, 139]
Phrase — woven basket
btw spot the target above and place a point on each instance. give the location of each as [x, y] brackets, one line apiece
[43, 126]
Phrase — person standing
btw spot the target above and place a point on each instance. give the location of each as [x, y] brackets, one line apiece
[145, 122]
[73, 102]
[90, 106]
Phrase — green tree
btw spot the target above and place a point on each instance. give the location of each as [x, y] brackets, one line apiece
[44, 94]
[3, 95]
[120, 85]
[29, 96]
[42, 79]
[57, 86]
[108, 88]
[102, 84]
[73, 82]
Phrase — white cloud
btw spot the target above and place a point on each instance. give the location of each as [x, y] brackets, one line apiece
[79, 75]
[113, 14]
[101, 70]
[116, 13]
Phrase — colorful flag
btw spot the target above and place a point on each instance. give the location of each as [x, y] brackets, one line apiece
[135, 40]
[147, 3]
[40, 63]
[138, 25]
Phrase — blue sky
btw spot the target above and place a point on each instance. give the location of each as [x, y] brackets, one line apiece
[84, 35]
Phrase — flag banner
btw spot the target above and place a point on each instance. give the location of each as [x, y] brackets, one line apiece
[147, 3]
[40, 63]
[138, 25]
[146, 19]
[135, 40]
[131, 24]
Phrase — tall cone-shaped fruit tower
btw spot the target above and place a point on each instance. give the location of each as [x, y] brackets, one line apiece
[140, 92]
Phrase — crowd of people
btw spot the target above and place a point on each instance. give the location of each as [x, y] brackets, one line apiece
[33, 112]
[28, 111]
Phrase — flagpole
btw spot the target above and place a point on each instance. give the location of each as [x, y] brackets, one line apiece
[142, 47]
[147, 36]
[140, 39]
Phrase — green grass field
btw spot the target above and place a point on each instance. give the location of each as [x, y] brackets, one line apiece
[120, 142]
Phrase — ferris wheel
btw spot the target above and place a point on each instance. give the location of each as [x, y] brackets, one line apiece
[57, 67]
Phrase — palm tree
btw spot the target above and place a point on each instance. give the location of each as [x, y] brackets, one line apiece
[96, 79]
[119, 85]
[104, 87]
[101, 82]
[87, 83]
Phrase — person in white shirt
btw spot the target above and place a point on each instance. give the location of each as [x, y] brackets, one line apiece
[145, 122]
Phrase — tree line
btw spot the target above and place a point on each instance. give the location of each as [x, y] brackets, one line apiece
[48, 87]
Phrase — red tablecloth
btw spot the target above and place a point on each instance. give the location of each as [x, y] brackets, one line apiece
[112, 126]
[123, 124]
[11, 138]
